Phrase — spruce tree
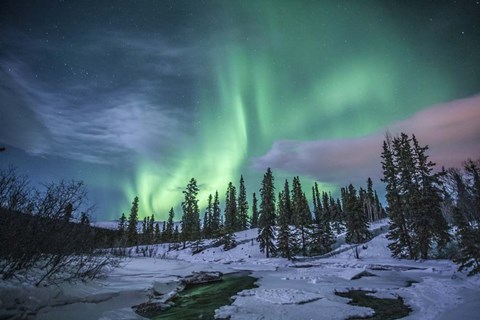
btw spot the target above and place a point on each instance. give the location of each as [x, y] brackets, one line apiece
[168, 234]
[401, 244]
[242, 206]
[132, 235]
[288, 203]
[228, 238]
[190, 218]
[215, 223]
[414, 198]
[283, 228]
[157, 236]
[266, 234]
[207, 220]
[231, 208]
[465, 210]
[163, 232]
[176, 237]
[151, 229]
[356, 220]
[254, 220]
[428, 221]
[122, 227]
[322, 236]
[301, 215]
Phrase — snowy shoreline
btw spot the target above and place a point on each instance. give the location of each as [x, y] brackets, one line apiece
[286, 290]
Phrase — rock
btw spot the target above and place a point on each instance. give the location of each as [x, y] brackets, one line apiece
[202, 277]
[151, 309]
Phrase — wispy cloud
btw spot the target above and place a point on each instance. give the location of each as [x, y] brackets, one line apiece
[96, 119]
[451, 130]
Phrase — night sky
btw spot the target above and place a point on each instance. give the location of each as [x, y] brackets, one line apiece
[137, 97]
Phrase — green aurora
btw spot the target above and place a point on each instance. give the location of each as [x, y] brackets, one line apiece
[136, 98]
[291, 71]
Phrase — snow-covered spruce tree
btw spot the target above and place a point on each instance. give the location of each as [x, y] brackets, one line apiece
[336, 215]
[157, 235]
[283, 242]
[254, 219]
[228, 237]
[176, 238]
[242, 221]
[163, 232]
[132, 234]
[215, 223]
[288, 202]
[413, 197]
[428, 221]
[469, 242]
[466, 186]
[266, 234]
[168, 234]
[302, 217]
[356, 220]
[322, 236]
[122, 222]
[207, 219]
[401, 244]
[190, 218]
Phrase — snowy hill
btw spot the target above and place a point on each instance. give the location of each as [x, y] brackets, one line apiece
[302, 289]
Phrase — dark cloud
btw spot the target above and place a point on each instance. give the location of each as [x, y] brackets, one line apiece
[451, 130]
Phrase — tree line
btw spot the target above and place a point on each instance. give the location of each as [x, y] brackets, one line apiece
[287, 224]
[431, 214]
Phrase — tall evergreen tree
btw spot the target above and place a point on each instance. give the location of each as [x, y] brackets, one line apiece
[215, 223]
[132, 235]
[231, 208]
[322, 236]
[169, 229]
[414, 198]
[176, 237]
[465, 210]
[151, 229]
[302, 217]
[288, 203]
[336, 215]
[231, 224]
[242, 206]
[190, 218]
[254, 220]
[428, 221]
[266, 234]
[283, 228]
[356, 220]
[207, 220]
[401, 244]
[122, 227]
[157, 236]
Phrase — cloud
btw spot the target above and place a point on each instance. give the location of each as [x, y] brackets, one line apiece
[93, 120]
[451, 130]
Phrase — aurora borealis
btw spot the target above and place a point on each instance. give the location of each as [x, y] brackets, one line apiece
[135, 98]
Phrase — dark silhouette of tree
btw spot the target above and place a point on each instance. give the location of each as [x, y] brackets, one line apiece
[132, 233]
[190, 218]
[413, 197]
[254, 220]
[283, 228]
[266, 234]
[242, 207]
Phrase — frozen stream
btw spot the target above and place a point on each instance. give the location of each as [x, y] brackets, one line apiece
[433, 289]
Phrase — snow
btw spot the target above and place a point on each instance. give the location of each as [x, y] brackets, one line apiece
[302, 289]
